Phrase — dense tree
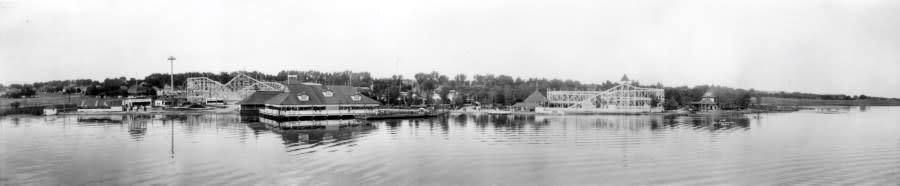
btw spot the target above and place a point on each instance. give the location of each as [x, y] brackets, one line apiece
[671, 104]
[20, 90]
[398, 90]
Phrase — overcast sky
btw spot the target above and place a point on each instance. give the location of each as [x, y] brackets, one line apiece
[837, 46]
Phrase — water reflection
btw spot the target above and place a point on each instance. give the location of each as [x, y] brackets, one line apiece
[249, 118]
[292, 137]
[100, 119]
[807, 147]
[652, 122]
[714, 122]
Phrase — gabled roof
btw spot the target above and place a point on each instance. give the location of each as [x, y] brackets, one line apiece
[341, 96]
[709, 94]
[625, 78]
[139, 89]
[259, 97]
[535, 97]
[704, 102]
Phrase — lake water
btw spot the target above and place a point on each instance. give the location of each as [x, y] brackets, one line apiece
[851, 146]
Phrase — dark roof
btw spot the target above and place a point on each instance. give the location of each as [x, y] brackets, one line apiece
[258, 97]
[533, 100]
[139, 89]
[624, 77]
[704, 102]
[113, 103]
[535, 97]
[341, 95]
[528, 105]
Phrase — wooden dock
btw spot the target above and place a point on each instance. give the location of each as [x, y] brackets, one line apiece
[406, 115]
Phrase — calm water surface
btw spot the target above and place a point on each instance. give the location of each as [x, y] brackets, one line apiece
[855, 146]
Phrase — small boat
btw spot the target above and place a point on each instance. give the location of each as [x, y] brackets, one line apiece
[499, 112]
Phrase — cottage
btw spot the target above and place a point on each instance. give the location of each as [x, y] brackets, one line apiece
[706, 104]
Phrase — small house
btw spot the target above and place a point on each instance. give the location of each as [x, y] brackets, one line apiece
[534, 100]
[707, 103]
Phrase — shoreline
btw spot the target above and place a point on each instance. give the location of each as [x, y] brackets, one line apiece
[232, 110]
[636, 114]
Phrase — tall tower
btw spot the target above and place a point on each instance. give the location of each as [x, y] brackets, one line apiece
[172, 72]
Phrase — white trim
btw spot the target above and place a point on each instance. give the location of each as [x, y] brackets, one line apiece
[345, 105]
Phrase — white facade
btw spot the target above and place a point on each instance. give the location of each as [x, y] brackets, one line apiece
[623, 98]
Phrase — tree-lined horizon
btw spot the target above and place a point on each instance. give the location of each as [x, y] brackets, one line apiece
[419, 89]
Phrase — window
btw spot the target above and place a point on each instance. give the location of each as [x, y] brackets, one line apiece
[328, 93]
[356, 97]
[303, 98]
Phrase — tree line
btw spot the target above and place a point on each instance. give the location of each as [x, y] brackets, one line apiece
[422, 88]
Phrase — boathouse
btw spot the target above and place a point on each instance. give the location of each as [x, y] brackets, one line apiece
[256, 101]
[312, 101]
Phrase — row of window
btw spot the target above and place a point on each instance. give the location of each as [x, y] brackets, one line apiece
[295, 108]
[306, 97]
[316, 108]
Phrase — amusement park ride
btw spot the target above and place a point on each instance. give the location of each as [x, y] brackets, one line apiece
[623, 98]
[237, 88]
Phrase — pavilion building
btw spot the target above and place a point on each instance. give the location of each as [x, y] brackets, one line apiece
[706, 104]
[310, 101]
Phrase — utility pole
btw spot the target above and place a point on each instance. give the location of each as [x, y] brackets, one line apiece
[172, 72]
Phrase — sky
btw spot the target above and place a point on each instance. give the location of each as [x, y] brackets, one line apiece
[816, 46]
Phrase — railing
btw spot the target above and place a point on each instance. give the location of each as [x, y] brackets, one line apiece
[630, 109]
[273, 112]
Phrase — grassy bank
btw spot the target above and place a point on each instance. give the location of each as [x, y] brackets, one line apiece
[820, 102]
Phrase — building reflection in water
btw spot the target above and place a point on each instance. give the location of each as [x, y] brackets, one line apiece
[650, 122]
[100, 119]
[292, 137]
[608, 122]
[714, 122]
[459, 120]
[136, 124]
[247, 118]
